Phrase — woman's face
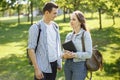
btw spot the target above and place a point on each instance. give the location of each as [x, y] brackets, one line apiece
[74, 21]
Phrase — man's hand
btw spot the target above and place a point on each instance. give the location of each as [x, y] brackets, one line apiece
[39, 74]
[59, 68]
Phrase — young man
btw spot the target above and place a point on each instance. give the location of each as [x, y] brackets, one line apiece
[47, 59]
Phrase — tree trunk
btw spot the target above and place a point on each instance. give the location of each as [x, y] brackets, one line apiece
[113, 17]
[10, 14]
[74, 4]
[28, 19]
[31, 12]
[100, 19]
[3, 13]
[64, 19]
[18, 14]
[92, 14]
[69, 14]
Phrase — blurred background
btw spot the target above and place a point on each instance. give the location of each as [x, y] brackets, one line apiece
[16, 16]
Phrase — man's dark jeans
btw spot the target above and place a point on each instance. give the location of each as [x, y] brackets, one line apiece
[50, 76]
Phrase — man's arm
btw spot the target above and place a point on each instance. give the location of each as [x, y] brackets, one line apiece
[38, 72]
[31, 53]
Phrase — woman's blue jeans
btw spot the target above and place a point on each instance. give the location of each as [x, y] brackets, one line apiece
[75, 70]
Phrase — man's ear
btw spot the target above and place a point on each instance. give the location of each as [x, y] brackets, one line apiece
[46, 12]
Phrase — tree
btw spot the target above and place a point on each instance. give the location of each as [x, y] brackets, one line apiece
[36, 4]
[31, 7]
[28, 11]
[113, 7]
[100, 6]
[6, 5]
[66, 8]
[63, 6]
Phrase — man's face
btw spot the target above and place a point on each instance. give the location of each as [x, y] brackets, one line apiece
[51, 15]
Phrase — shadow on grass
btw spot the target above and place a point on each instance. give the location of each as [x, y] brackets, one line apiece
[105, 37]
[16, 67]
[112, 68]
[13, 67]
[13, 32]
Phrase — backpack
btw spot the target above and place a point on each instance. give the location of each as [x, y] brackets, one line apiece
[29, 60]
[95, 62]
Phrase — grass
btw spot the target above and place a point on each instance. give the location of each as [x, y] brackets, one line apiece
[13, 42]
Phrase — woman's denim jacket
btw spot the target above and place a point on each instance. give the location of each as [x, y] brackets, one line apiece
[76, 38]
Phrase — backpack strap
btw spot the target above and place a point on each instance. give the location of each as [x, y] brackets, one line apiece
[39, 27]
[55, 25]
[83, 48]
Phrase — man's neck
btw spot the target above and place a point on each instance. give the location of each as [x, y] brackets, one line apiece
[46, 20]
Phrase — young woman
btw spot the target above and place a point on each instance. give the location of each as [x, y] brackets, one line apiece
[75, 68]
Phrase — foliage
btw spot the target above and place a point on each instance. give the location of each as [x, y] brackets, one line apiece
[113, 7]
[110, 7]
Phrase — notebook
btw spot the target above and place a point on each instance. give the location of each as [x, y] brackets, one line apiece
[69, 46]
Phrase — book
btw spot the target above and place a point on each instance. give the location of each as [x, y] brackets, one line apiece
[69, 46]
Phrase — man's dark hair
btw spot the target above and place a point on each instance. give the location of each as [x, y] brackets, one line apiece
[48, 7]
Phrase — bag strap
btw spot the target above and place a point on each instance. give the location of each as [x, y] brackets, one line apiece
[39, 27]
[83, 48]
[83, 43]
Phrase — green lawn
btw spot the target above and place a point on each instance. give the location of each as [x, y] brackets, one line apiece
[13, 42]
